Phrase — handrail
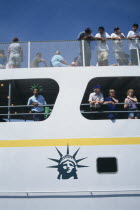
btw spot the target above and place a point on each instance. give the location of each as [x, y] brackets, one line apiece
[82, 112]
[88, 104]
[36, 113]
[109, 39]
[20, 106]
[99, 112]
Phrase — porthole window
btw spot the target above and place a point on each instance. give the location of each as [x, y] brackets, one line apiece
[27, 99]
[111, 98]
[107, 165]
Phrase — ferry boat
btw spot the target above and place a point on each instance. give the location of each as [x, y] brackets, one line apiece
[70, 160]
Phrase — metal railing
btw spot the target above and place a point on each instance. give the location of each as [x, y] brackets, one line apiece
[103, 111]
[9, 107]
[76, 53]
[9, 113]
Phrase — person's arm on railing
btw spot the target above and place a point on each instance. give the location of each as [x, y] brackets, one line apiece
[92, 102]
[102, 38]
[125, 104]
[133, 99]
[43, 61]
[122, 35]
[129, 36]
[65, 62]
[89, 36]
[32, 103]
[117, 38]
[35, 104]
[134, 37]
[99, 38]
[99, 102]
[115, 100]
[109, 102]
[114, 37]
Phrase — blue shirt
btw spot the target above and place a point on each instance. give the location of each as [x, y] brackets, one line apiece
[111, 106]
[56, 60]
[40, 100]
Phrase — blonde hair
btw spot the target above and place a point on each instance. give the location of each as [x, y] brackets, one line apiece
[111, 90]
[130, 90]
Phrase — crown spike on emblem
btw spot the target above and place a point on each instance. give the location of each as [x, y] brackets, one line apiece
[67, 149]
[77, 161]
[59, 152]
[75, 153]
[52, 166]
[81, 166]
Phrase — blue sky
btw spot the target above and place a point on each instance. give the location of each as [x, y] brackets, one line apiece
[40, 20]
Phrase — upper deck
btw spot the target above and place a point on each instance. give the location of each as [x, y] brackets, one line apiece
[78, 51]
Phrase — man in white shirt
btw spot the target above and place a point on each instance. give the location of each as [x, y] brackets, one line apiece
[118, 48]
[37, 100]
[102, 47]
[96, 99]
[134, 44]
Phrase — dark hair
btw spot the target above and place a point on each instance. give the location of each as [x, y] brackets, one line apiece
[88, 30]
[2, 52]
[15, 39]
[75, 59]
[38, 54]
[135, 25]
[116, 28]
[130, 90]
[101, 28]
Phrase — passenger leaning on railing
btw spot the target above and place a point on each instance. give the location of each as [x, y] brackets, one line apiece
[37, 60]
[111, 101]
[58, 61]
[37, 100]
[15, 54]
[87, 37]
[96, 99]
[130, 104]
[118, 47]
[134, 44]
[102, 47]
[76, 61]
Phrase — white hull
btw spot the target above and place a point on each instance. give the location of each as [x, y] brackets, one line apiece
[25, 149]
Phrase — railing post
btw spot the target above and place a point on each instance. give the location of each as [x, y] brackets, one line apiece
[29, 54]
[138, 56]
[83, 52]
[9, 102]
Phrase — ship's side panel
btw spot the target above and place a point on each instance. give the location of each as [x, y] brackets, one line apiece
[72, 202]
[31, 152]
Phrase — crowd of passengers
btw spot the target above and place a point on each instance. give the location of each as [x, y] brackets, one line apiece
[97, 100]
[15, 51]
